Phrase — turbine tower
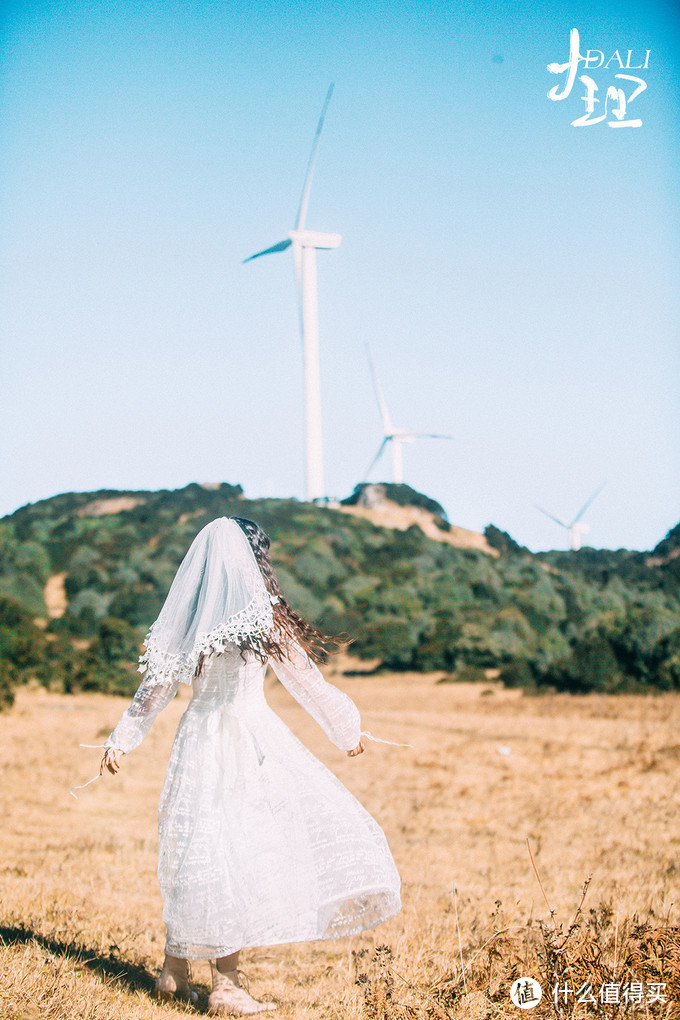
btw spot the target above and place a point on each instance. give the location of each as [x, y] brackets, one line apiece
[391, 435]
[305, 244]
[575, 528]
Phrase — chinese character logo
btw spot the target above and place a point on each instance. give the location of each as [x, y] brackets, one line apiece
[617, 98]
[526, 993]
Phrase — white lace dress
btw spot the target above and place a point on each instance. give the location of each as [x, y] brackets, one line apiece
[259, 843]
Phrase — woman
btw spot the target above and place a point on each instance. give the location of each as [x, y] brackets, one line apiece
[259, 843]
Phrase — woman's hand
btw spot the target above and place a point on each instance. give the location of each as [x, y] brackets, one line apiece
[357, 750]
[110, 760]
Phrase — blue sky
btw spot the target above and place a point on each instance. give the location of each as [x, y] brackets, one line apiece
[516, 277]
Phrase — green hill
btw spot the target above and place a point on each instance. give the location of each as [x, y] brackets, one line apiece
[82, 576]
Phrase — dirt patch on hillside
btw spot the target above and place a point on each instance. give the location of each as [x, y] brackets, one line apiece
[55, 596]
[102, 507]
[391, 515]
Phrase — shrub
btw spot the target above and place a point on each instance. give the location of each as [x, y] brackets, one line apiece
[501, 541]
[387, 639]
[518, 673]
[592, 666]
[22, 647]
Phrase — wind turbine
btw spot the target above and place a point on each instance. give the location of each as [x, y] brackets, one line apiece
[391, 435]
[305, 244]
[575, 528]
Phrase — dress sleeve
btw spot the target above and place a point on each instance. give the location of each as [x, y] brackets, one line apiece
[334, 711]
[151, 698]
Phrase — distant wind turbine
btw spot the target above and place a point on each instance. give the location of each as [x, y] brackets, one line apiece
[575, 528]
[305, 244]
[391, 435]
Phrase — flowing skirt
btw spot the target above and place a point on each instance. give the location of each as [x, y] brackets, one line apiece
[259, 843]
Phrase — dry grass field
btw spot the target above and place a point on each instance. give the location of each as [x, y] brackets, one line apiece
[590, 782]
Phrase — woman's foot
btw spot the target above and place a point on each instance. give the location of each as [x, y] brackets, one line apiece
[173, 981]
[228, 995]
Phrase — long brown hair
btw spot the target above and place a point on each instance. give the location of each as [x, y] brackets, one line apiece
[289, 626]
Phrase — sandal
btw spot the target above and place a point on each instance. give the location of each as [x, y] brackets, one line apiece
[172, 984]
[229, 996]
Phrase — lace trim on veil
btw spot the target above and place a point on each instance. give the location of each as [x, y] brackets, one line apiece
[255, 621]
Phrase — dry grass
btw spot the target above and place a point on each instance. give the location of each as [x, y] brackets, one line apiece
[590, 782]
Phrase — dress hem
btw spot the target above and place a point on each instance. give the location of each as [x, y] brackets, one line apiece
[217, 952]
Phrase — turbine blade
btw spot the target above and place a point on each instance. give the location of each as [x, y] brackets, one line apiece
[304, 201]
[382, 406]
[281, 246]
[299, 289]
[376, 458]
[587, 503]
[297, 262]
[430, 435]
[552, 518]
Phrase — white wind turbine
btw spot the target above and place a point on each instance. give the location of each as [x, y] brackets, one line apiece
[305, 244]
[575, 528]
[394, 436]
